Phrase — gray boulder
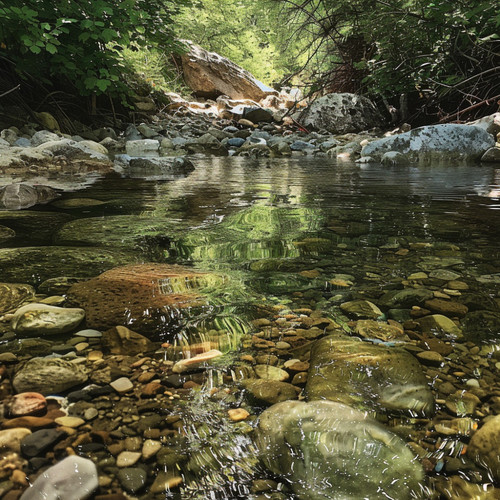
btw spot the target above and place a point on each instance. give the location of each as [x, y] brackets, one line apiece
[73, 150]
[368, 376]
[329, 451]
[143, 147]
[436, 143]
[340, 114]
[48, 376]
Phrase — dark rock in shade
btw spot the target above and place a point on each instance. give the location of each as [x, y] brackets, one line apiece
[367, 376]
[236, 142]
[481, 324]
[257, 114]
[36, 264]
[340, 114]
[328, 451]
[301, 146]
[40, 441]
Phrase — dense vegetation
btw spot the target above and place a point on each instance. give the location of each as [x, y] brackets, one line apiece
[436, 57]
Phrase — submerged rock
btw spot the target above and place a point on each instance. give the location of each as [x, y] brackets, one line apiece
[12, 295]
[35, 264]
[145, 297]
[483, 447]
[41, 319]
[329, 451]
[6, 233]
[48, 376]
[448, 142]
[367, 376]
[74, 478]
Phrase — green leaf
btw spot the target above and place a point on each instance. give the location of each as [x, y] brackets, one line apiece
[35, 49]
[50, 48]
[103, 84]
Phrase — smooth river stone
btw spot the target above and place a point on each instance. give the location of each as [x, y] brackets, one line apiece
[74, 478]
[331, 451]
[484, 445]
[10, 439]
[42, 319]
[48, 376]
[368, 376]
[26, 403]
[361, 309]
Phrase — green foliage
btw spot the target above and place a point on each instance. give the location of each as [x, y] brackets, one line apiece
[250, 33]
[81, 41]
[154, 69]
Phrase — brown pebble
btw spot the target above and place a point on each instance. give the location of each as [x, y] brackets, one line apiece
[28, 422]
[151, 389]
[238, 414]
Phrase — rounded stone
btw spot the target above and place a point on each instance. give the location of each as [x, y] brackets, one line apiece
[27, 403]
[42, 319]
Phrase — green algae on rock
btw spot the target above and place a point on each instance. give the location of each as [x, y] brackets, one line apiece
[328, 450]
[367, 376]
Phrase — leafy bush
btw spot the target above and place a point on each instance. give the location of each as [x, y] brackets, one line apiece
[81, 41]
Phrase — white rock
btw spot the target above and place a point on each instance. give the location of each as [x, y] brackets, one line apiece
[184, 364]
[74, 478]
[448, 142]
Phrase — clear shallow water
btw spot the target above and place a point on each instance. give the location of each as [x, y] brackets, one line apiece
[285, 232]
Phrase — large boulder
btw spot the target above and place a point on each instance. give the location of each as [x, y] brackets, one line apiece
[367, 376]
[145, 297]
[433, 143]
[340, 114]
[329, 451]
[208, 74]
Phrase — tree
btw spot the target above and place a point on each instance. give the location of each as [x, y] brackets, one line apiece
[445, 54]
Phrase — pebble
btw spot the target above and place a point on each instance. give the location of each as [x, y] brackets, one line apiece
[238, 414]
[122, 385]
[127, 458]
[132, 479]
[10, 439]
[72, 422]
[150, 448]
[27, 403]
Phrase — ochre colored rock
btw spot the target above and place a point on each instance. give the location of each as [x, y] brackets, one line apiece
[208, 74]
[145, 297]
